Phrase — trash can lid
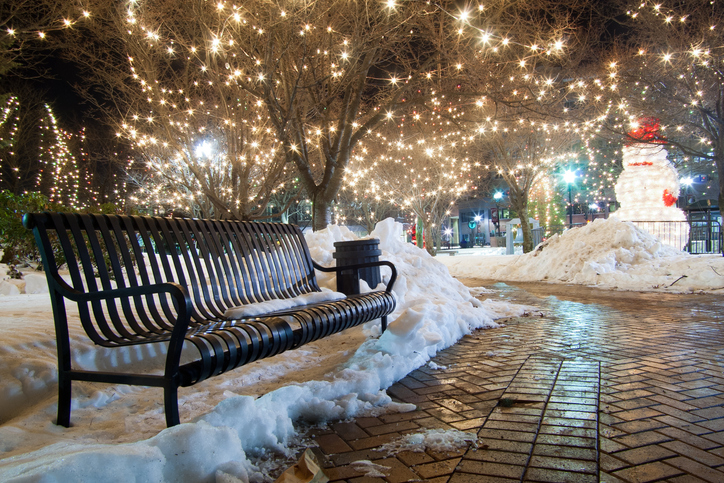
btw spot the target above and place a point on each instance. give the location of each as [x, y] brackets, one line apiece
[354, 243]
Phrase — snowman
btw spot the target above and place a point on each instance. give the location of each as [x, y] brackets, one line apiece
[648, 186]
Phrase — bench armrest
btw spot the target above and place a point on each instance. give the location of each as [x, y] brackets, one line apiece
[358, 266]
[178, 293]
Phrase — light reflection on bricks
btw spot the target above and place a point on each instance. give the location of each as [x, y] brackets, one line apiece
[603, 386]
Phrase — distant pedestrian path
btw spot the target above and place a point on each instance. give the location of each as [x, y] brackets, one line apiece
[597, 386]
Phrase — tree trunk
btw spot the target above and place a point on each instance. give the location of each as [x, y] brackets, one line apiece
[430, 238]
[527, 232]
[369, 219]
[321, 214]
[521, 208]
[719, 162]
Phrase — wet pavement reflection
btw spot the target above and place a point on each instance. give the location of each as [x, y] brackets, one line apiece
[594, 385]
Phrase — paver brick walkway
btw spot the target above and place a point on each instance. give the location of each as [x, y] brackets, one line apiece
[598, 386]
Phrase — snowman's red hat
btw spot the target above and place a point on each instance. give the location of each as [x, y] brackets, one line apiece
[648, 131]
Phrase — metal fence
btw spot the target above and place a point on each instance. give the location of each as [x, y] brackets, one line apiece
[672, 233]
[705, 237]
[696, 237]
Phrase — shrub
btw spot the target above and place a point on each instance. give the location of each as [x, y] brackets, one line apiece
[17, 243]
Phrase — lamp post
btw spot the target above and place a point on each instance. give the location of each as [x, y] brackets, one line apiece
[477, 229]
[687, 182]
[448, 234]
[497, 196]
[569, 177]
[594, 208]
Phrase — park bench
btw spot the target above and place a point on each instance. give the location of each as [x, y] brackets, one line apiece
[142, 280]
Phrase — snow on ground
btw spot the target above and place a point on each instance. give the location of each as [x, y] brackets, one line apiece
[609, 254]
[236, 422]
[437, 440]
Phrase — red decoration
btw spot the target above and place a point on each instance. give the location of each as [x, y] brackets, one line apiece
[669, 199]
[642, 163]
[647, 132]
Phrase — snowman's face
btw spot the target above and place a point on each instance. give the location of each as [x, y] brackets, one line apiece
[644, 155]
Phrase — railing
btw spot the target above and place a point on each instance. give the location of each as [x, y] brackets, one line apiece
[672, 233]
[698, 237]
[705, 237]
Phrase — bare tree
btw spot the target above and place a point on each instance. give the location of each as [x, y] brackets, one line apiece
[326, 72]
[208, 144]
[668, 66]
[268, 84]
[329, 72]
[419, 169]
[526, 96]
[524, 154]
[24, 28]
[363, 198]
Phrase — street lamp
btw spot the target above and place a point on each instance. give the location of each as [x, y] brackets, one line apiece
[569, 177]
[477, 228]
[497, 196]
[594, 208]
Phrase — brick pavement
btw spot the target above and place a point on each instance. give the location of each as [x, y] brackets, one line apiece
[603, 386]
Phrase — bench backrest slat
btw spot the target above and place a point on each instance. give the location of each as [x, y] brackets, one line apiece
[83, 229]
[144, 231]
[299, 263]
[128, 248]
[222, 264]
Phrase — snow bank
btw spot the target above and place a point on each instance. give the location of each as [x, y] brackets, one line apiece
[610, 254]
[118, 431]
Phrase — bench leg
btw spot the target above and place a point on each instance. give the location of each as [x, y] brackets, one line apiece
[170, 404]
[64, 393]
[384, 323]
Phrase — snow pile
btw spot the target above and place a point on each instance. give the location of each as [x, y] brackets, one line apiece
[610, 254]
[118, 432]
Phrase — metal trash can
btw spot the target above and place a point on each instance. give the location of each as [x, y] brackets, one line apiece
[352, 253]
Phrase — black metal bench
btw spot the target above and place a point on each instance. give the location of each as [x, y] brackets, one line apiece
[139, 280]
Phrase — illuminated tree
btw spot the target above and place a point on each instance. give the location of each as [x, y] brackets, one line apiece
[35, 155]
[668, 66]
[525, 154]
[527, 96]
[19, 142]
[215, 172]
[329, 72]
[207, 143]
[24, 25]
[417, 168]
[326, 73]
[362, 198]
[108, 162]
